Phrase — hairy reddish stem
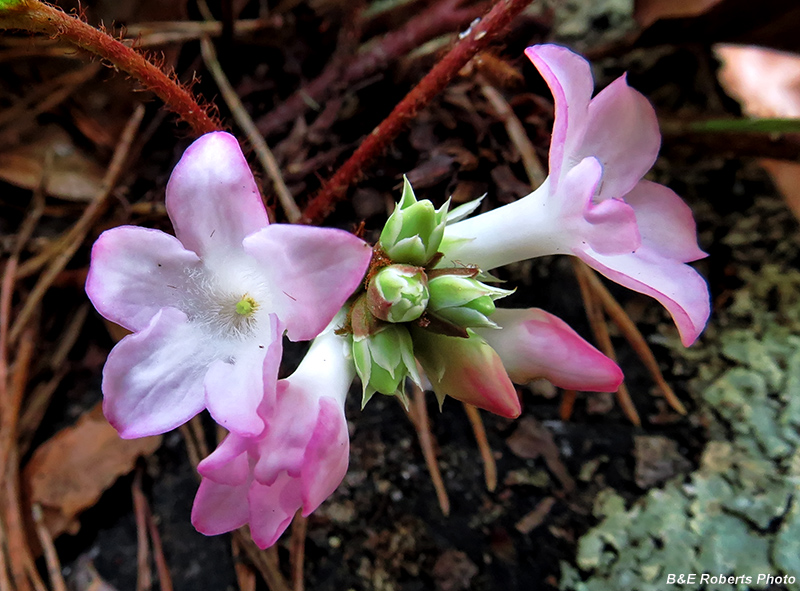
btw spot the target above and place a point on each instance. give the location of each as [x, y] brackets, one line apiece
[476, 39]
[35, 16]
[440, 18]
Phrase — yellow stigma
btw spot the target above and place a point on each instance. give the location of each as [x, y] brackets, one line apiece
[246, 306]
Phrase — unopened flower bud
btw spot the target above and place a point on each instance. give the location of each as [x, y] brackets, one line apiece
[398, 293]
[414, 231]
[463, 301]
[383, 361]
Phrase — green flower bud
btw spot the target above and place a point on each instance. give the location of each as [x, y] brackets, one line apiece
[463, 301]
[398, 293]
[414, 231]
[383, 360]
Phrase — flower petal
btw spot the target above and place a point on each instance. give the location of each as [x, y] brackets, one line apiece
[569, 77]
[468, 370]
[608, 227]
[228, 464]
[679, 288]
[315, 271]
[219, 508]
[323, 375]
[327, 455]
[236, 386]
[613, 227]
[534, 344]
[135, 272]
[665, 221]
[283, 445]
[272, 509]
[622, 132]
[153, 379]
[212, 197]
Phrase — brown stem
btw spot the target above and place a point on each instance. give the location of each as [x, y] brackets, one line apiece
[476, 39]
[35, 16]
[599, 327]
[489, 465]
[418, 414]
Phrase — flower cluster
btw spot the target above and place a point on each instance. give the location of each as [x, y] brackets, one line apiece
[418, 308]
[208, 307]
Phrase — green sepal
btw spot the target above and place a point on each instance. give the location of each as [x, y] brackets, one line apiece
[383, 360]
[414, 231]
[398, 293]
[463, 301]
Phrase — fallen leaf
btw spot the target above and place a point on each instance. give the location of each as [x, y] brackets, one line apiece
[535, 518]
[657, 460]
[646, 12]
[70, 174]
[786, 176]
[766, 82]
[530, 440]
[68, 472]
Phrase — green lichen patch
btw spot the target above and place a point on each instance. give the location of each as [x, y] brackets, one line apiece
[739, 512]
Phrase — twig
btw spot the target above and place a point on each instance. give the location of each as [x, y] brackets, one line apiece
[567, 404]
[12, 397]
[191, 445]
[7, 288]
[439, 18]
[600, 330]
[535, 518]
[489, 465]
[474, 40]
[163, 33]
[633, 336]
[243, 120]
[196, 426]
[265, 561]
[245, 575]
[162, 570]
[297, 550]
[47, 95]
[49, 549]
[144, 580]
[5, 581]
[418, 414]
[23, 569]
[78, 232]
[34, 264]
[39, 399]
[35, 16]
[516, 133]
[6, 292]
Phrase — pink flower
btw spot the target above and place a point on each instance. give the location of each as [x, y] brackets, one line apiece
[208, 307]
[534, 344]
[466, 369]
[297, 462]
[526, 345]
[594, 204]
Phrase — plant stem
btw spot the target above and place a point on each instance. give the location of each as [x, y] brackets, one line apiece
[38, 17]
[474, 40]
[774, 125]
